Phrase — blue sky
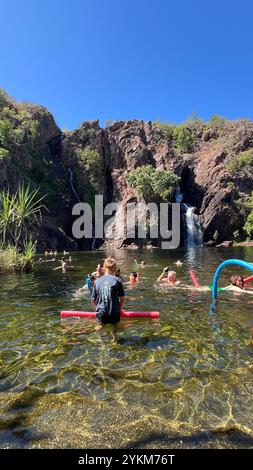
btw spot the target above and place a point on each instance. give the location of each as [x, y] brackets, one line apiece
[129, 59]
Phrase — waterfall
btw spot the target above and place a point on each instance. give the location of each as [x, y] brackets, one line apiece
[71, 179]
[194, 235]
[71, 182]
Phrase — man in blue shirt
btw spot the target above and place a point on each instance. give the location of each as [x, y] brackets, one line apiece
[108, 296]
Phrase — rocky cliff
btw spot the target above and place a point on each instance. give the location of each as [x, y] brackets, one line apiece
[214, 160]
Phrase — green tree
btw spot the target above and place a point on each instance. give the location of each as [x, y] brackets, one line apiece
[241, 162]
[216, 121]
[184, 138]
[92, 162]
[6, 133]
[151, 184]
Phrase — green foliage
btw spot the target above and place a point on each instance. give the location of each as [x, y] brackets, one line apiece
[167, 129]
[151, 184]
[4, 98]
[248, 226]
[216, 121]
[184, 138]
[19, 212]
[6, 133]
[13, 261]
[4, 153]
[243, 161]
[92, 162]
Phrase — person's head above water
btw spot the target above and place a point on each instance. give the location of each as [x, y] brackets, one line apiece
[237, 280]
[134, 274]
[133, 277]
[109, 266]
[172, 277]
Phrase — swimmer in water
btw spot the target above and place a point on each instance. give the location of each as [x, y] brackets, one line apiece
[178, 263]
[140, 264]
[88, 287]
[63, 267]
[237, 285]
[168, 277]
[134, 278]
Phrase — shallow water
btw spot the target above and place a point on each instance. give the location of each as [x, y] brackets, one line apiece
[184, 380]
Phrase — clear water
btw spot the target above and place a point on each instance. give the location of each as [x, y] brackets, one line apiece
[185, 380]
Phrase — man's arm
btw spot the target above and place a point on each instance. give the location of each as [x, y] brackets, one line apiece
[160, 278]
[122, 301]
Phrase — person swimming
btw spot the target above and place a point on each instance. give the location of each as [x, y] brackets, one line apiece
[237, 284]
[133, 278]
[63, 267]
[178, 263]
[140, 264]
[168, 277]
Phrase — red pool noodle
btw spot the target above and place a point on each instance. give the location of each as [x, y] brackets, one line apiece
[194, 280]
[123, 314]
[248, 279]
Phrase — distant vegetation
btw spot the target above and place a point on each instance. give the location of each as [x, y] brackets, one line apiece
[181, 136]
[243, 161]
[151, 184]
[248, 226]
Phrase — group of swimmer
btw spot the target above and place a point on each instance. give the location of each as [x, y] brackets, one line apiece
[63, 261]
[105, 286]
[237, 283]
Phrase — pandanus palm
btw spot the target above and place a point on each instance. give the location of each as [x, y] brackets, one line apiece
[7, 216]
[18, 214]
[27, 212]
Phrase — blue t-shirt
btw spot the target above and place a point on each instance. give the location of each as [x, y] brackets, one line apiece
[106, 292]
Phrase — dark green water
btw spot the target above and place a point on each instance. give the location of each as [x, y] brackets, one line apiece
[185, 380]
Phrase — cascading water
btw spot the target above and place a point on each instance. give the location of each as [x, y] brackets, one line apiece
[71, 179]
[193, 227]
[194, 235]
